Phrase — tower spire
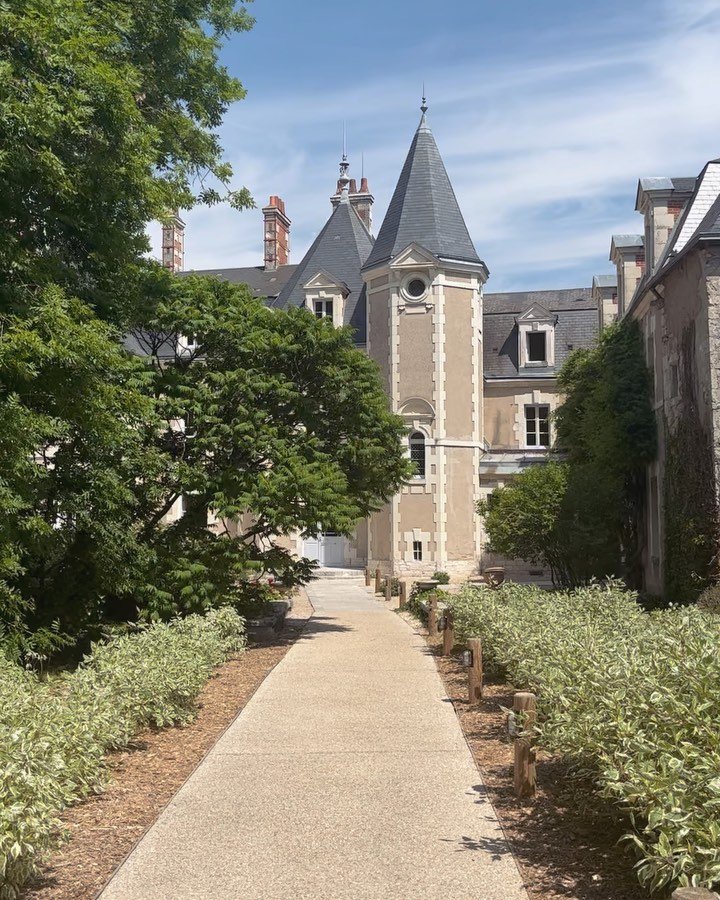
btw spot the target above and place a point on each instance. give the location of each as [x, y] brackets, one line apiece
[344, 179]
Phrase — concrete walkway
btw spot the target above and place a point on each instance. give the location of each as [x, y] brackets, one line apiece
[346, 777]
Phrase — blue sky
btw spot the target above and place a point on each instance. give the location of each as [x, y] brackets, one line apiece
[546, 113]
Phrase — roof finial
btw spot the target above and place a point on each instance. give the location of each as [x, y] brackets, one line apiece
[423, 106]
[344, 179]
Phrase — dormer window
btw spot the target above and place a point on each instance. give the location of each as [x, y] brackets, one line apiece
[537, 346]
[324, 309]
[536, 338]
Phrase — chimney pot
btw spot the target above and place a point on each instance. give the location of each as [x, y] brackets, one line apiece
[364, 189]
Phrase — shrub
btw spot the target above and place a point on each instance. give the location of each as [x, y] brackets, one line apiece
[54, 733]
[630, 698]
[441, 577]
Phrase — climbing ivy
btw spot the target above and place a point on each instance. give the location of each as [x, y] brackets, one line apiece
[690, 513]
[607, 427]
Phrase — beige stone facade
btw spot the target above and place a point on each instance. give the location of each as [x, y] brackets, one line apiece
[677, 304]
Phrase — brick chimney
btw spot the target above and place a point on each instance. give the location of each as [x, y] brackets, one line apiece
[362, 200]
[173, 243]
[276, 234]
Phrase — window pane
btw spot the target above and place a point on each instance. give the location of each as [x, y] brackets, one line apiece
[329, 308]
[417, 550]
[530, 426]
[417, 453]
[536, 346]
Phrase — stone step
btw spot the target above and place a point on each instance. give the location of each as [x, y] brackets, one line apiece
[336, 572]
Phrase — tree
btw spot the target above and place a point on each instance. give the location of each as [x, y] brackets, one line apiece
[277, 424]
[108, 111]
[78, 442]
[607, 428]
[522, 518]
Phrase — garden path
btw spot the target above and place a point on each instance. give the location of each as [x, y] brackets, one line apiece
[346, 776]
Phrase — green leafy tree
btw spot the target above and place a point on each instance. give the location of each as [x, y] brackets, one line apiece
[277, 423]
[108, 112]
[607, 428]
[522, 518]
[78, 454]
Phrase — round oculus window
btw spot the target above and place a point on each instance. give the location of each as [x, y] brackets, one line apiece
[415, 288]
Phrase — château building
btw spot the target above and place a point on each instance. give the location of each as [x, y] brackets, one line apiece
[472, 373]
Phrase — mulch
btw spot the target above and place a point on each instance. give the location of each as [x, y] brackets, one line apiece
[567, 849]
[104, 828]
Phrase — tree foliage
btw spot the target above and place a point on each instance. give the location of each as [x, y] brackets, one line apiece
[108, 111]
[583, 518]
[269, 422]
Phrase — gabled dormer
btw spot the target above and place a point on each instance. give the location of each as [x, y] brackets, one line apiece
[325, 297]
[536, 338]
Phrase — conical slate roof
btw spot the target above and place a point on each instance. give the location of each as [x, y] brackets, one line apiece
[423, 208]
[340, 250]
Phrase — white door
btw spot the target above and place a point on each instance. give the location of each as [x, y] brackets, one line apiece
[327, 548]
[333, 549]
[312, 548]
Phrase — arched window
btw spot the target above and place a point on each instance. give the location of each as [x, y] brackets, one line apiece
[417, 453]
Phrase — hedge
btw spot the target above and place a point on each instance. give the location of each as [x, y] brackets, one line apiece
[54, 733]
[631, 698]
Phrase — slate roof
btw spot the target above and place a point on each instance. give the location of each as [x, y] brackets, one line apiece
[340, 250]
[423, 208]
[682, 185]
[577, 326]
[262, 282]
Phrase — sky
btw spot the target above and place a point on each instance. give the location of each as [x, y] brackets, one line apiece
[546, 114]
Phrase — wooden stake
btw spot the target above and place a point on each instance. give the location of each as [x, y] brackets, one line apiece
[432, 617]
[524, 773]
[475, 672]
[402, 600]
[388, 588]
[448, 633]
[378, 580]
[368, 577]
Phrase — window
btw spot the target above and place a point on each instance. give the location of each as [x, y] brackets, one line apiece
[416, 287]
[417, 453]
[323, 309]
[417, 551]
[537, 426]
[536, 346]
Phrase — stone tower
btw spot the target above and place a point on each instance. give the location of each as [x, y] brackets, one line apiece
[424, 284]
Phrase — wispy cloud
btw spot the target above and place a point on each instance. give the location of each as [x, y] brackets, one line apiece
[544, 150]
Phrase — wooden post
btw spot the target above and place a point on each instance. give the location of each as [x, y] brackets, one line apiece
[693, 893]
[388, 588]
[475, 672]
[402, 600]
[432, 617]
[368, 577]
[524, 773]
[378, 580]
[448, 633]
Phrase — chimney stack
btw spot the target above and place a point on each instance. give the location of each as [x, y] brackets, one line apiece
[276, 234]
[361, 200]
[173, 243]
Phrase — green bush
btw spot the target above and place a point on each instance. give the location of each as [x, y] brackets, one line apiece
[441, 577]
[630, 698]
[54, 733]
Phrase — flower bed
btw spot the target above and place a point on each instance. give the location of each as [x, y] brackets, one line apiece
[54, 734]
[630, 698]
